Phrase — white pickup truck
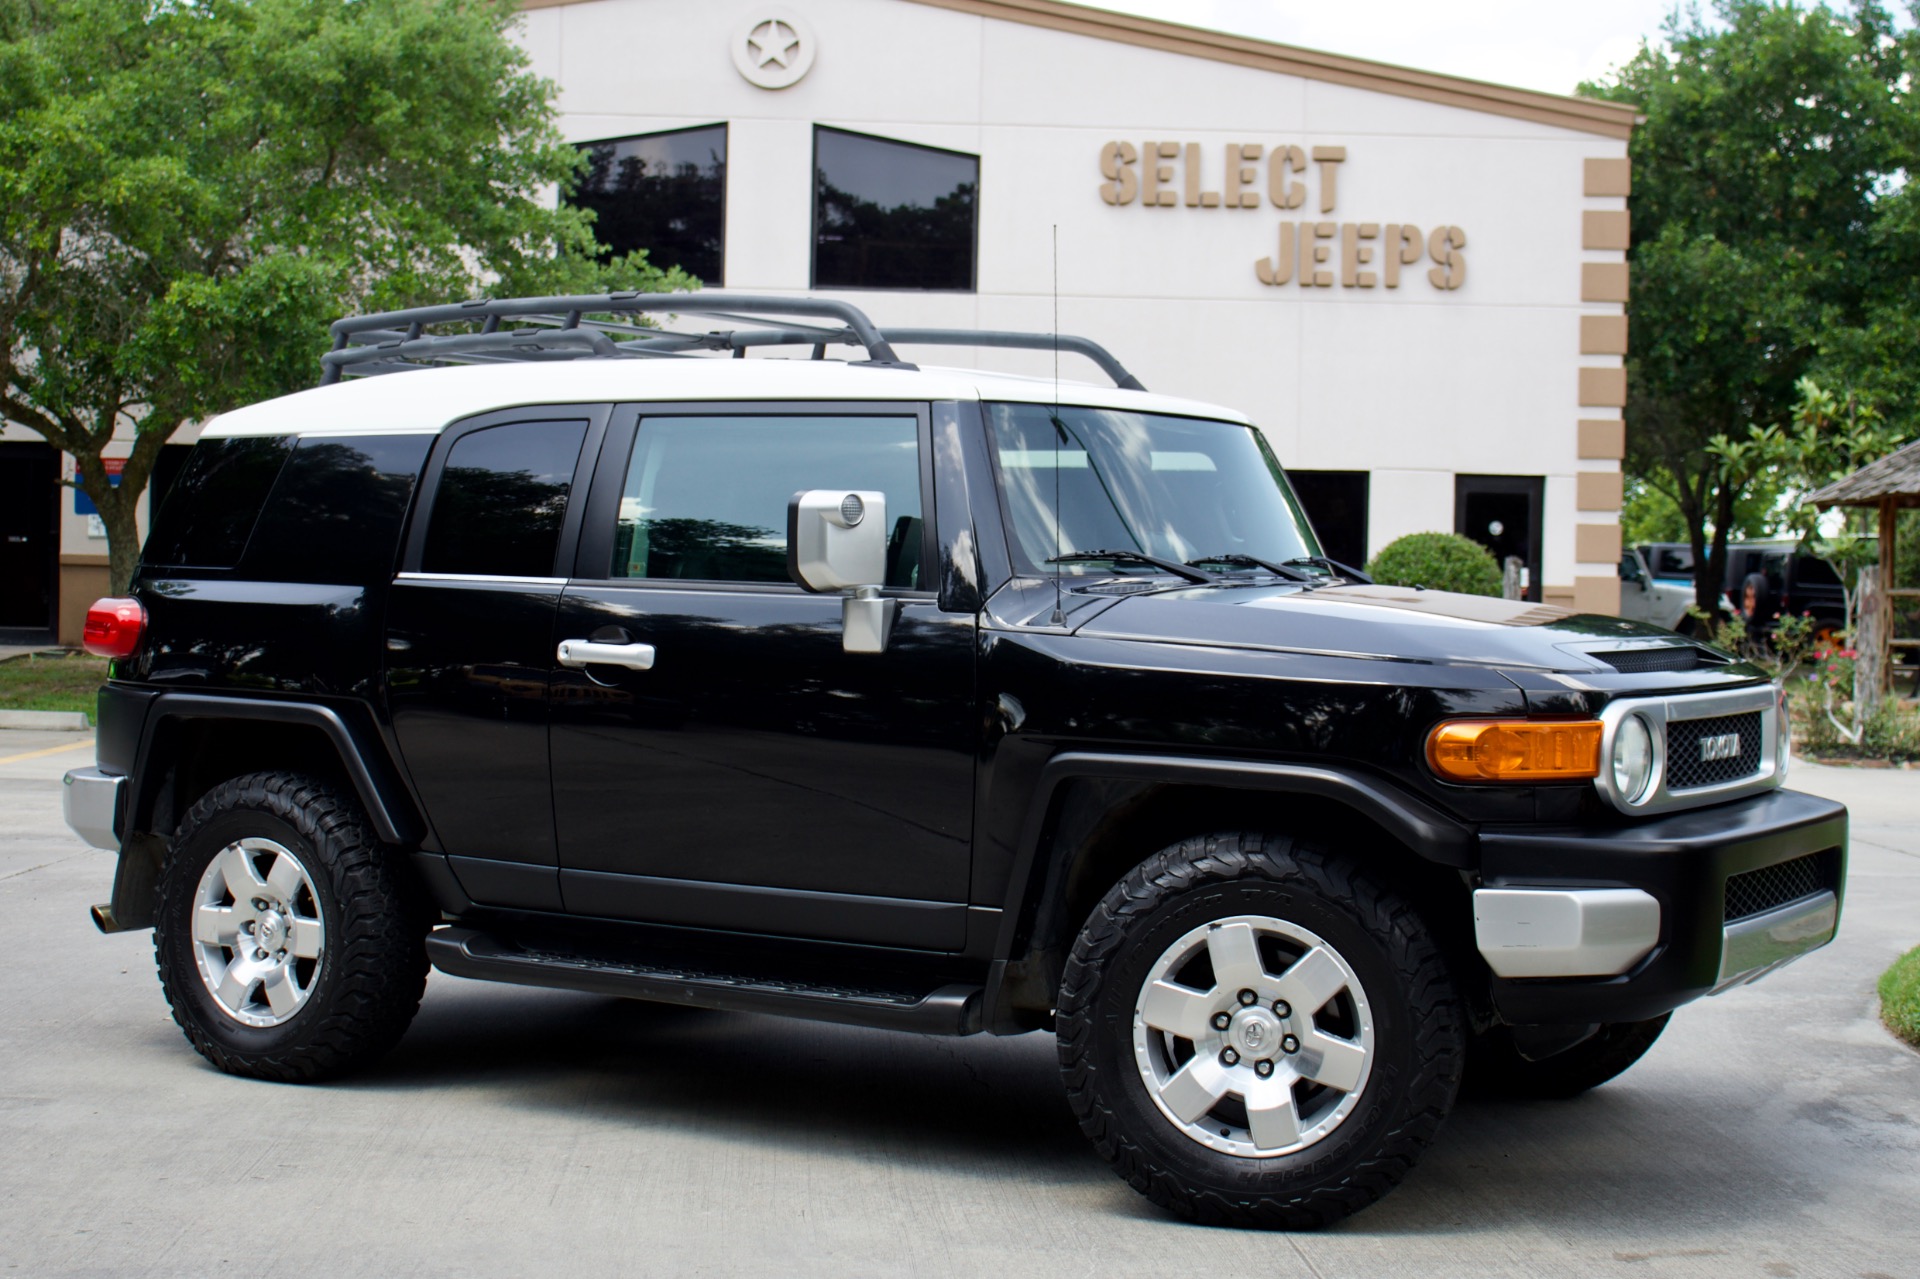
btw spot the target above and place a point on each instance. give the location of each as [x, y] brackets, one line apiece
[1662, 601]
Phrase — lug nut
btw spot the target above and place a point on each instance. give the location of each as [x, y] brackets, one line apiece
[1264, 1069]
[1290, 1044]
[1221, 1021]
[1229, 1057]
[1281, 1008]
[1249, 998]
[259, 954]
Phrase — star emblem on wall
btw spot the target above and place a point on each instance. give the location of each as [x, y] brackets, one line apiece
[774, 48]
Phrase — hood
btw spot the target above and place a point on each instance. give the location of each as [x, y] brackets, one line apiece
[1394, 622]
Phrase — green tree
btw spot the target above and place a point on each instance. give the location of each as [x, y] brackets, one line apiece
[190, 190]
[1767, 213]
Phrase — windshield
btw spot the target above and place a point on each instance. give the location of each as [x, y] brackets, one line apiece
[1175, 487]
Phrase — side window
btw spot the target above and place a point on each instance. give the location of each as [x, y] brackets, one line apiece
[208, 517]
[336, 512]
[705, 498]
[502, 497]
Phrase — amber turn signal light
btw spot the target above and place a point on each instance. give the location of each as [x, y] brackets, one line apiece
[1515, 750]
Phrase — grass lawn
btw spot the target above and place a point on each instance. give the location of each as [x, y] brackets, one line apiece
[67, 683]
[1900, 997]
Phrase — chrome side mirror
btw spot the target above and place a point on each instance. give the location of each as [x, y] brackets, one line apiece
[837, 541]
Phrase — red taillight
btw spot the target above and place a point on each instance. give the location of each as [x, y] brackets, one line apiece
[114, 627]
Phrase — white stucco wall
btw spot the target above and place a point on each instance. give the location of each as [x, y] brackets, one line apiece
[1413, 384]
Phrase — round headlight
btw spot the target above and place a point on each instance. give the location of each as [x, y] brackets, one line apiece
[1632, 759]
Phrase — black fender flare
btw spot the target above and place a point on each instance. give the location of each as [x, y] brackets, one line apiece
[379, 788]
[1430, 833]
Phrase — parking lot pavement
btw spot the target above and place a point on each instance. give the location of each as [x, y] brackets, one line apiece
[1774, 1131]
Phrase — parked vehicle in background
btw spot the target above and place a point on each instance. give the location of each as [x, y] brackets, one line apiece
[1668, 561]
[1785, 583]
[1660, 601]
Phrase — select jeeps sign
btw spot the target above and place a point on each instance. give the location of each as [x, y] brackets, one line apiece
[1311, 252]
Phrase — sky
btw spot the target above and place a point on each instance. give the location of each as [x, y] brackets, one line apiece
[1549, 45]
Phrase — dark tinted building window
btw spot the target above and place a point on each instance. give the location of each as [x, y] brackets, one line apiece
[502, 496]
[336, 512]
[208, 516]
[662, 192]
[1336, 502]
[891, 215]
[706, 497]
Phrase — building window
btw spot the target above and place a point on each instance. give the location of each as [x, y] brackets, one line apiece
[1336, 503]
[662, 192]
[892, 215]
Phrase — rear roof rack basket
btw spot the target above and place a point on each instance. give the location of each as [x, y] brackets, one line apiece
[607, 326]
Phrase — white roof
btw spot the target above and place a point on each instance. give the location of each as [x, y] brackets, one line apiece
[426, 400]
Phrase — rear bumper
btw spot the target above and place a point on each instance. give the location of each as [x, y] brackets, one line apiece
[1706, 940]
[90, 801]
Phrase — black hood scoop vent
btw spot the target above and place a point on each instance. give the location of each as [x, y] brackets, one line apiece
[1663, 657]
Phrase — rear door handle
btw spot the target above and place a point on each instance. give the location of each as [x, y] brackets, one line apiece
[578, 652]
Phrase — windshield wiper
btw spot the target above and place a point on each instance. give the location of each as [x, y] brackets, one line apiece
[1248, 561]
[1335, 567]
[1174, 567]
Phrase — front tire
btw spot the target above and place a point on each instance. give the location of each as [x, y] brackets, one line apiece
[1293, 1108]
[287, 947]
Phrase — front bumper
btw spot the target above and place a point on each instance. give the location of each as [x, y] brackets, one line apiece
[90, 800]
[1706, 938]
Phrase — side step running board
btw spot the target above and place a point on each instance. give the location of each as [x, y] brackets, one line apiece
[950, 1010]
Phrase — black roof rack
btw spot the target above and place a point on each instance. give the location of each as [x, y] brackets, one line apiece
[590, 325]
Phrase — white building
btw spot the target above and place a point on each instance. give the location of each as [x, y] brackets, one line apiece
[1415, 283]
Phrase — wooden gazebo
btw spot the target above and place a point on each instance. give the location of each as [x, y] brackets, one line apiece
[1889, 485]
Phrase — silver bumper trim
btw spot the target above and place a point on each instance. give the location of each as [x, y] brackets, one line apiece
[1753, 947]
[1564, 932]
[90, 800]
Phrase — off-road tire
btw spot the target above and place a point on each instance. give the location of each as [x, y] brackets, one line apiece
[373, 964]
[1497, 1071]
[1419, 1031]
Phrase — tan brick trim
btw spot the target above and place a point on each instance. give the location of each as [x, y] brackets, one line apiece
[1559, 596]
[1608, 177]
[1603, 439]
[70, 559]
[1587, 115]
[1603, 281]
[1598, 491]
[1605, 229]
[1596, 595]
[1603, 335]
[1603, 388]
[1596, 543]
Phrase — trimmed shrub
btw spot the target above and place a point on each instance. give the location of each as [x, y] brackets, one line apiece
[1439, 562]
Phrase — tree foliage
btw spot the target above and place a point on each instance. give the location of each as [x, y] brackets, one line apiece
[190, 190]
[1773, 239]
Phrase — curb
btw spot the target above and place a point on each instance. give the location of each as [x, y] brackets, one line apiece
[57, 720]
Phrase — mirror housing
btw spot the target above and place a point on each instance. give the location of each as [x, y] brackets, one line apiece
[837, 541]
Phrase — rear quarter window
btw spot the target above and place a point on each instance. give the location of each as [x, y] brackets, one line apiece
[336, 511]
[208, 517]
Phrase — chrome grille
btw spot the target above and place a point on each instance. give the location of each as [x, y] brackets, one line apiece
[1758, 891]
[1688, 768]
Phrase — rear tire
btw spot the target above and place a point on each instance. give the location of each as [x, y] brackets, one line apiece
[1293, 1109]
[288, 948]
[1496, 1070]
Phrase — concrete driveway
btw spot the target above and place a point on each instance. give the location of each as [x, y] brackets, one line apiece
[1772, 1132]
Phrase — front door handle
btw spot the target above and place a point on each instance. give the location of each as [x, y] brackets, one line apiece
[578, 652]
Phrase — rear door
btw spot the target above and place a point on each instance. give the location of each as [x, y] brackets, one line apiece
[470, 642]
[756, 777]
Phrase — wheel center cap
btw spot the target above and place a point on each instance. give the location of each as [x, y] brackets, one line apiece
[269, 929]
[1255, 1033]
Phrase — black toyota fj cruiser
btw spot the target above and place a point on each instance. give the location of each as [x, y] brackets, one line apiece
[928, 699]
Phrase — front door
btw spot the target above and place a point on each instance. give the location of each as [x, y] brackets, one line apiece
[757, 777]
[1502, 513]
[29, 535]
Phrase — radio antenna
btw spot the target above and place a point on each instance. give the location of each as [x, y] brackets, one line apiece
[1059, 617]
